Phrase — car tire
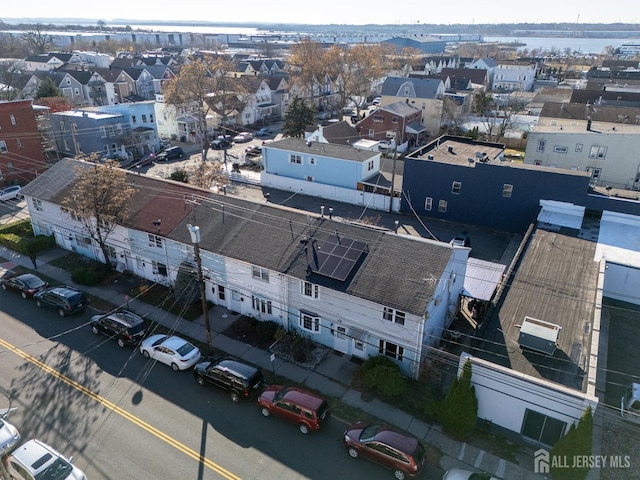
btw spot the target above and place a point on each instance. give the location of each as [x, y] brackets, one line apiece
[265, 412]
[95, 330]
[4, 287]
[61, 312]
[24, 295]
[175, 367]
[235, 398]
[353, 453]
[200, 380]
[121, 343]
[303, 429]
[38, 304]
[145, 353]
[399, 474]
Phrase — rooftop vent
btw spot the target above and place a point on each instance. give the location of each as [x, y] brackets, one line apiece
[539, 335]
[430, 157]
[450, 149]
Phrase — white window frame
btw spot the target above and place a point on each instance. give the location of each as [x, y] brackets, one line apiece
[507, 190]
[3, 146]
[456, 187]
[155, 241]
[442, 206]
[260, 273]
[160, 268]
[391, 350]
[597, 151]
[541, 145]
[310, 290]
[394, 316]
[37, 204]
[428, 203]
[313, 321]
[560, 149]
[295, 159]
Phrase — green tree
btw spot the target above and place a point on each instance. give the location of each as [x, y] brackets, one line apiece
[458, 413]
[187, 288]
[298, 116]
[47, 88]
[99, 197]
[577, 441]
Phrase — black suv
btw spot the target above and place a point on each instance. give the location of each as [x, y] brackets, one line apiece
[66, 300]
[126, 327]
[170, 153]
[241, 380]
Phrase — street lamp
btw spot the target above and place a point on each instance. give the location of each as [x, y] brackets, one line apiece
[194, 231]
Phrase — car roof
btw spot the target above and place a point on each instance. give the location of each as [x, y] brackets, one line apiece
[66, 291]
[397, 440]
[237, 367]
[174, 342]
[303, 398]
[125, 317]
[31, 454]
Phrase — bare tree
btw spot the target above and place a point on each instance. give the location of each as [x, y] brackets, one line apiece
[306, 68]
[206, 175]
[37, 40]
[100, 198]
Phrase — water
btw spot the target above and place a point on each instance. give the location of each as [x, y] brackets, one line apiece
[560, 44]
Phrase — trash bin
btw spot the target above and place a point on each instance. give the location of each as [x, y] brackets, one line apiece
[183, 138]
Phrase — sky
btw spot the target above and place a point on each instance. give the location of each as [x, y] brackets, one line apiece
[335, 11]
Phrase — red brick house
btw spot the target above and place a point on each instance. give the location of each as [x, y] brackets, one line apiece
[398, 120]
[21, 153]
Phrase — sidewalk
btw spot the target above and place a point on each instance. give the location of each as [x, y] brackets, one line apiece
[331, 377]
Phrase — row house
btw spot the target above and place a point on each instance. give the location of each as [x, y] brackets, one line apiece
[400, 122]
[21, 148]
[360, 291]
[51, 61]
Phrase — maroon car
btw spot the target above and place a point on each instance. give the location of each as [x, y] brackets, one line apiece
[305, 409]
[27, 284]
[402, 453]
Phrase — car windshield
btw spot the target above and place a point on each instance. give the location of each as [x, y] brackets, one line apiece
[58, 470]
[184, 349]
[133, 329]
[369, 432]
[32, 281]
[419, 453]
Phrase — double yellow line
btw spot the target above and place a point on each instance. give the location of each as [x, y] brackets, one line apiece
[123, 413]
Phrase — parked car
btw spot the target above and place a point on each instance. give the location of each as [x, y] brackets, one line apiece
[240, 379]
[461, 240]
[9, 437]
[67, 300]
[305, 409]
[124, 326]
[402, 453]
[376, 101]
[262, 132]
[243, 137]
[10, 193]
[27, 284]
[170, 153]
[460, 474]
[267, 142]
[170, 350]
[220, 143]
[253, 150]
[35, 460]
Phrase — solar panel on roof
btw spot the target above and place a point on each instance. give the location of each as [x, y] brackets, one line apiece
[336, 257]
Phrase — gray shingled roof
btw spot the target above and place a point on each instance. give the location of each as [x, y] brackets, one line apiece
[333, 150]
[395, 271]
[420, 87]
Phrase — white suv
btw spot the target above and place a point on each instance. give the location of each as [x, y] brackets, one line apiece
[35, 459]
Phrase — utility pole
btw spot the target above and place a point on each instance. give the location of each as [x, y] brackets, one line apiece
[194, 231]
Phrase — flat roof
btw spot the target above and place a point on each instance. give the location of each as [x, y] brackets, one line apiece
[555, 282]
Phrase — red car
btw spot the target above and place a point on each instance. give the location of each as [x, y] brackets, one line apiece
[307, 410]
[27, 284]
[402, 453]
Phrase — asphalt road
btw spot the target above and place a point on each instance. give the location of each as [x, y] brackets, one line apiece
[123, 417]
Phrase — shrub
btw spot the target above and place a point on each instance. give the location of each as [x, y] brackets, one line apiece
[266, 331]
[577, 442]
[91, 274]
[381, 375]
[458, 414]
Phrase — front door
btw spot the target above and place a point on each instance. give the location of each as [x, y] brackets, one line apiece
[340, 339]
